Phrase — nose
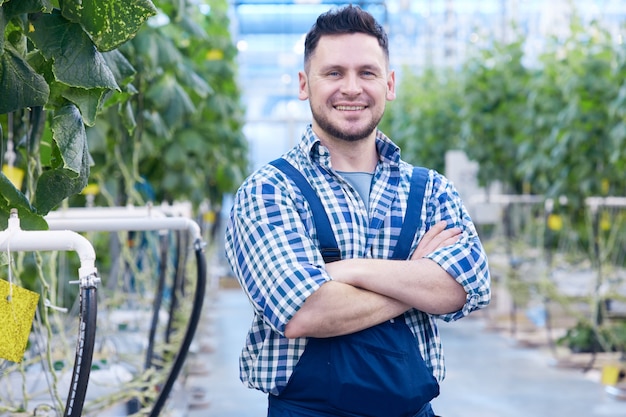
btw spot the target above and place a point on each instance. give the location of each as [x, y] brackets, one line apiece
[351, 85]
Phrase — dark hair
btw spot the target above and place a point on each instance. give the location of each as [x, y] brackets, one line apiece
[348, 19]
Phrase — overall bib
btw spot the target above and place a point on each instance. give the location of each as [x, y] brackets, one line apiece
[376, 372]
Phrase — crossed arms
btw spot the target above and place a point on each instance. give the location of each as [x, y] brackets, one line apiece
[356, 298]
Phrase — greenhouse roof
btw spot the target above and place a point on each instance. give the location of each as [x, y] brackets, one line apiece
[259, 17]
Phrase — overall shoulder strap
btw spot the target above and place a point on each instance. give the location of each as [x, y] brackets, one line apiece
[413, 216]
[328, 243]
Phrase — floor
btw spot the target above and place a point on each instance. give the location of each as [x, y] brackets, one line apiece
[489, 374]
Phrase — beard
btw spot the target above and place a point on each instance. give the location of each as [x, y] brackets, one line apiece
[332, 129]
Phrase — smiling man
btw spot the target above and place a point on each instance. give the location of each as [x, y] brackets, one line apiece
[352, 334]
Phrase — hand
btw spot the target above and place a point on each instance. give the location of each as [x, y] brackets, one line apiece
[436, 238]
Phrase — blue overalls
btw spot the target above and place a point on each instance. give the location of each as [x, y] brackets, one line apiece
[376, 372]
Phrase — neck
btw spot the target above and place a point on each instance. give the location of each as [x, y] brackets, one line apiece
[360, 156]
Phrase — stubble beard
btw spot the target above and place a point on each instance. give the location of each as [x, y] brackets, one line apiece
[335, 131]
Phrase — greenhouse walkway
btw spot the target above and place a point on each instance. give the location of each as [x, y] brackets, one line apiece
[489, 375]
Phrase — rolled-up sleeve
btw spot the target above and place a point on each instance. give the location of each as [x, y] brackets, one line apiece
[466, 260]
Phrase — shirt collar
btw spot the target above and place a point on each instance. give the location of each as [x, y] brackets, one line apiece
[388, 152]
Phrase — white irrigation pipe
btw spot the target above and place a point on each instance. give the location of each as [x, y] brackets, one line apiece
[105, 213]
[126, 224]
[18, 240]
[595, 202]
[153, 224]
[591, 202]
[507, 198]
[149, 210]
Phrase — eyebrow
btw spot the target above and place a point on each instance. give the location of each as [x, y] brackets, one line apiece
[368, 67]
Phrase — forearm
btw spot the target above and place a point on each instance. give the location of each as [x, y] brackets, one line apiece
[421, 283]
[337, 308]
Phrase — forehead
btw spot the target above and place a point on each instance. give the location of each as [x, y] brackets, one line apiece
[349, 49]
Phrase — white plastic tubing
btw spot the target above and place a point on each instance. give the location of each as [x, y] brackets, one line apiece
[14, 239]
[149, 210]
[120, 219]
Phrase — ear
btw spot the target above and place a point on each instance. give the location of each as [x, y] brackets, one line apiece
[303, 83]
[391, 86]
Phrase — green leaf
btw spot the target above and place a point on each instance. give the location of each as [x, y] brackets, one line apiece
[193, 142]
[109, 23]
[175, 156]
[3, 25]
[10, 198]
[122, 70]
[20, 85]
[28, 220]
[194, 81]
[174, 101]
[69, 134]
[77, 62]
[12, 195]
[128, 117]
[69, 177]
[56, 185]
[156, 49]
[187, 23]
[17, 7]
[155, 124]
[88, 101]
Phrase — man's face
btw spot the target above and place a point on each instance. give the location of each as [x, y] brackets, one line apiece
[347, 83]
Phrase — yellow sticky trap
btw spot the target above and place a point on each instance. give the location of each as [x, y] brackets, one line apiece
[15, 175]
[91, 189]
[209, 216]
[610, 374]
[17, 309]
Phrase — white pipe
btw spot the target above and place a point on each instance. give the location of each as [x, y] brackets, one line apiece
[105, 212]
[14, 239]
[595, 202]
[507, 198]
[130, 224]
[176, 210]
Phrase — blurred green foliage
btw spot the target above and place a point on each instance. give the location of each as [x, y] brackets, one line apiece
[555, 127]
[137, 96]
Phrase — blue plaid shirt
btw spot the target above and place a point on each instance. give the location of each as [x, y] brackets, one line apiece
[271, 245]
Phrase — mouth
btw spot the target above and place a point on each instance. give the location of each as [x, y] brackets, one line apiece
[349, 108]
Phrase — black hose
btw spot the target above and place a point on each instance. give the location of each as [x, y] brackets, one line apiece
[179, 276]
[158, 297]
[84, 349]
[194, 319]
[134, 404]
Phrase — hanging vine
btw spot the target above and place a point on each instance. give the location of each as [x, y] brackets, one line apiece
[58, 67]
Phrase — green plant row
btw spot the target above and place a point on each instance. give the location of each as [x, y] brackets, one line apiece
[552, 124]
[137, 97]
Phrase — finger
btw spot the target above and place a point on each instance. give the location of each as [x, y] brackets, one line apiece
[450, 241]
[443, 238]
[437, 237]
[436, 234]
[440, 241]
[433, 232]
[430, 235]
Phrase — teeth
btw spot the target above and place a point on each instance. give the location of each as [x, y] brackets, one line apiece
[350, 107]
